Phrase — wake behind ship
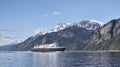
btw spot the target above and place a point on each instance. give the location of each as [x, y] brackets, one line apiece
[48, 47]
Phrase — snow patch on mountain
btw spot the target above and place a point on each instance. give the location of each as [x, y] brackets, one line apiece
[59, 27]
[96, 21]
[38, 32]
[87, 24]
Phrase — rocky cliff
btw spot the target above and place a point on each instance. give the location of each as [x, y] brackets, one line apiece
[106, 38]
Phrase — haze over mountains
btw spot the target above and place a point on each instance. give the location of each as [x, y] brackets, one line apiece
[4, 40]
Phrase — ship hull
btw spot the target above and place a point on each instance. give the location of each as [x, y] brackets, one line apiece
[47, 49]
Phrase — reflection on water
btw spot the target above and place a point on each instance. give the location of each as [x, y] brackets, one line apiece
[60, 59]
[15, 59]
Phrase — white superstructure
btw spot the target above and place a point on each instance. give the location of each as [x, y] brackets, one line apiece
[52, 45]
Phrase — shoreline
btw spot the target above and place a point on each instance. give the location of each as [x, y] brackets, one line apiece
[96, 51]
[69, 51]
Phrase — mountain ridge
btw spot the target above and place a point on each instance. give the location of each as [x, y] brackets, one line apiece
[106, 38]
[69, 34]
[77, 38]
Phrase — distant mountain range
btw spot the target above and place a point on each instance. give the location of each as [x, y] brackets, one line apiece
[89, 25]
[90, 35]
[6, 42]
[5, 39]
[7, 47]
[65, 34]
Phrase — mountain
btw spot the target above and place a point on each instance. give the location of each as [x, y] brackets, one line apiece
[64, 34]
[106, 38]
[96, 21]
[89, 25]
[7, 47]
[6, 42]
[5, 39]
[60, 26]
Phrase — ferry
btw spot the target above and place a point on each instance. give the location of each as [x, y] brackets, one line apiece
[48, 48]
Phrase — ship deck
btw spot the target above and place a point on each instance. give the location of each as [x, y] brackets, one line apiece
[48, 49]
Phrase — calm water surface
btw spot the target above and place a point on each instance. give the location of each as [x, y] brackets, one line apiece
[59, 59]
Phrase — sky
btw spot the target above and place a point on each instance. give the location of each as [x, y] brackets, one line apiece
[22, 18]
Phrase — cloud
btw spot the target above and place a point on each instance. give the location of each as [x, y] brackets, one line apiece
[56, 13]
[45, 15]
[6, 39]
[8, 30]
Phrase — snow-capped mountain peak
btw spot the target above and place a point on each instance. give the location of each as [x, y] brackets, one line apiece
[60, 26]
[87, 24]
[90, 25]
[38, 32]
[96, 21]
